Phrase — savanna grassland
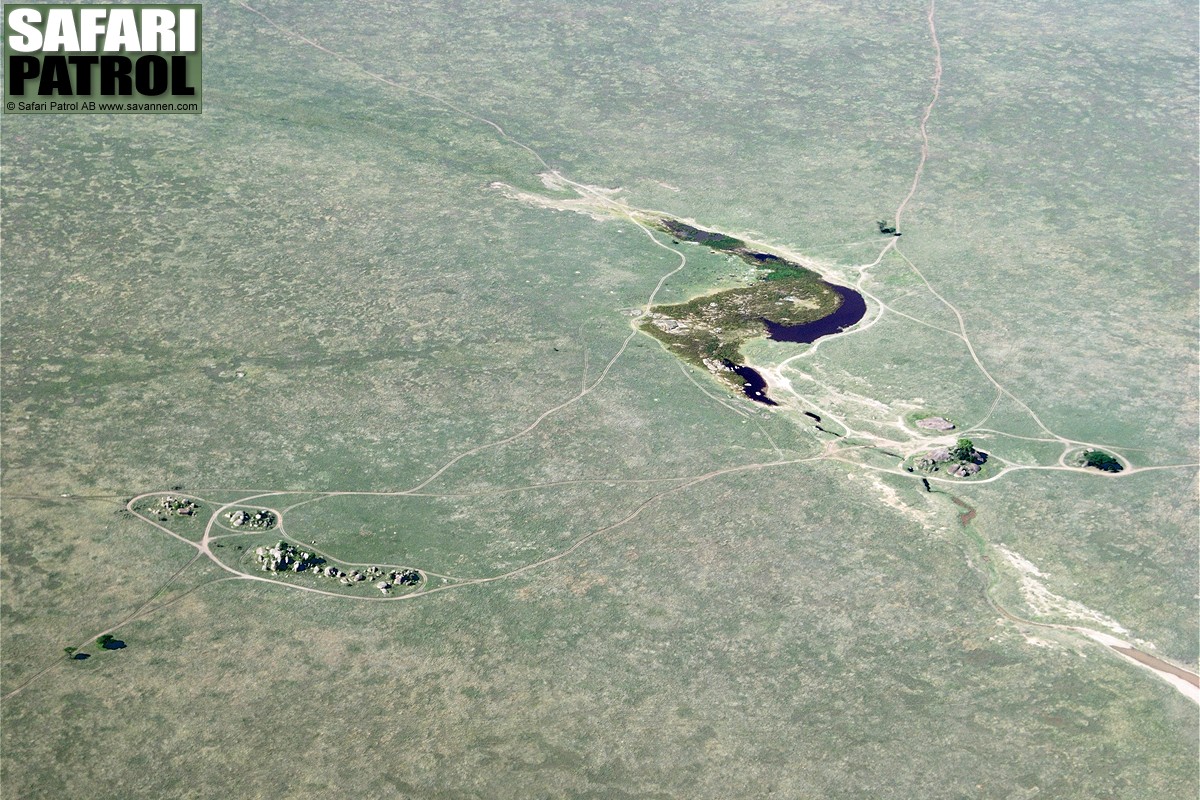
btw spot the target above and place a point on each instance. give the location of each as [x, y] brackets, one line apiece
[344, 278]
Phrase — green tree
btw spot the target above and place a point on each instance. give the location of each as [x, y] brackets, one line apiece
[1099, 459]
[963, 450]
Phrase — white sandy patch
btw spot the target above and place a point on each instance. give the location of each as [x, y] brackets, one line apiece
[555, 181]
[580, 205]
[594, 201]
[891, 497]
[1020, 562]
[1046, 603]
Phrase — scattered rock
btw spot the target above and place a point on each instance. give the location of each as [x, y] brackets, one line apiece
[407, 577]
[935, 424]
[284, 556]
[669, 325]
[958, 467]
[178, 506]
[261, 519]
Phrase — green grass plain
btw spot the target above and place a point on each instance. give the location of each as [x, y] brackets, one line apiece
[814, 630]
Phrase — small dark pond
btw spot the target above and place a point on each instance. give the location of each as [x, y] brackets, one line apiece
[852, 309]
[755, 386]
[113, 644]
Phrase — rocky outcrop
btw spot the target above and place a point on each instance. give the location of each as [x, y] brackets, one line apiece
[263, 519]
[929, 462]
[285, 557]
[942, 457]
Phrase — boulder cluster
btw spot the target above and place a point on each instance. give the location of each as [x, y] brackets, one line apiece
[174, 506]
[961, 461]
[286, 557]
[261, 519]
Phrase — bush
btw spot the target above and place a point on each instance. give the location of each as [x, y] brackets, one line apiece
[963, 450]
[1101, 460]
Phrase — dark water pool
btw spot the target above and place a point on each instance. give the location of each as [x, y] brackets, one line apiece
[755, 387]
[852, 309]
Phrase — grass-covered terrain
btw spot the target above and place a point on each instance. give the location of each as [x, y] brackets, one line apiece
[314, 288]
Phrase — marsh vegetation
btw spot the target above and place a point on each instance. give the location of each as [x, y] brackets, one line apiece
[783, 300]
